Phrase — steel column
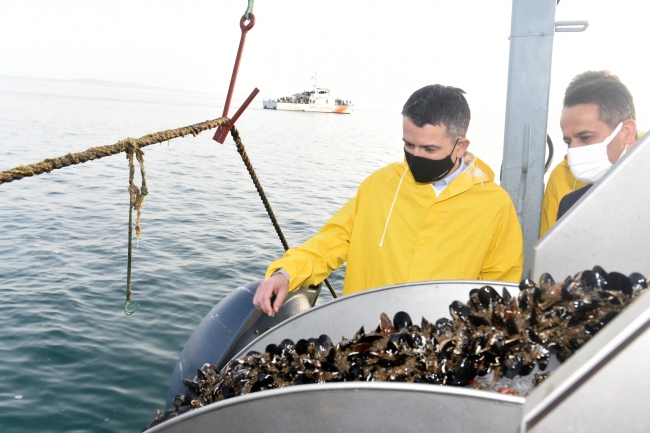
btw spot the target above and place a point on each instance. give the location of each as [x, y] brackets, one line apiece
[529, 80]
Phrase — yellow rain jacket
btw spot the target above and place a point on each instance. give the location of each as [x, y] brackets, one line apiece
[470, 231]
[560, 183]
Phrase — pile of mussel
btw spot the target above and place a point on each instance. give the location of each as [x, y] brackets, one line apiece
[493, 334]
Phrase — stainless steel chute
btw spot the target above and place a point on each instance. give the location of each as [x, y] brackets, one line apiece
[358, 407]
[604, 386]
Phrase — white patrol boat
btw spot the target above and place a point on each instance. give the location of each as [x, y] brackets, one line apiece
[318, 100]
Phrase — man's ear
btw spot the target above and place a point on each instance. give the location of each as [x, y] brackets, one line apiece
[463, 143]
[629, 131]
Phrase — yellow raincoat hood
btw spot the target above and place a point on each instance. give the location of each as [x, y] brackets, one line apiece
[470, 231]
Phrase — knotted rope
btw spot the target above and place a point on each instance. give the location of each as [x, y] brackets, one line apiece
[50, 164]
[137, 198]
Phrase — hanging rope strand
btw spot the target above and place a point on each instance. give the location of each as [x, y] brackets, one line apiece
[93, 153]
[249, 9]
[249, 166]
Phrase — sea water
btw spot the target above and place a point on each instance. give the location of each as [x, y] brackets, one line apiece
[70, 359]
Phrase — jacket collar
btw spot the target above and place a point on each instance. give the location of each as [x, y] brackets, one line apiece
[477, 172]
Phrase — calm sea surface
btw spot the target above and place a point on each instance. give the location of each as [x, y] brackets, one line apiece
[70, 360]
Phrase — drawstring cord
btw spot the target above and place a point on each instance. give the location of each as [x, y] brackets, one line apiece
[391, 209]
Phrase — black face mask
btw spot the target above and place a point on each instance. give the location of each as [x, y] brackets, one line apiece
[427, 170]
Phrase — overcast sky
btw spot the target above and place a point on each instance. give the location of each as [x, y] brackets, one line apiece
[373, 52]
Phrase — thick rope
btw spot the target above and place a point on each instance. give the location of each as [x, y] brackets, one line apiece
[249, 166]
[48, 165]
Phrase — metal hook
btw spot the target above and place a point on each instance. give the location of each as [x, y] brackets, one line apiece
[126, 308]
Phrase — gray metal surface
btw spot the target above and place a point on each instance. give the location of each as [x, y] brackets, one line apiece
[603, 387]
[609, 226]
[344, 316]
[230, 325]
[529, 80]
[356, 407]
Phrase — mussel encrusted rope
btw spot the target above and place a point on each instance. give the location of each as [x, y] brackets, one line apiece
[136, 200]
[47, 165]
[491, 340]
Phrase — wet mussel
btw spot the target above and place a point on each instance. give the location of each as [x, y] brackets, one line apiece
[491, 338]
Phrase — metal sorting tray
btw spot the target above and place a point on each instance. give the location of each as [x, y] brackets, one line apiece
[362, 406]
[603, 387]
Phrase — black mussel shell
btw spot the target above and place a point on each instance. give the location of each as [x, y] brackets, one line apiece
[370, 339]
[181, 400]
[526, 369]
[360, 332]
[344, 344]
[325, 342]
[511, 326]
[488, 296]
[301, 346]
[589, 280]
[228, 392]
[513, 369]
[477, 321]
[265, 379]
[303, 380]
[638, 281]
[465, 370]
[273, 349]
[443, 325]
[546, 281]
[458, 310]
[474, 300]
[526, 284]
[618, 281]
[287, 344]
[252, 353]
[506, 296]
[600, 271]
[402, 320]
[192, 386]
[354, 370]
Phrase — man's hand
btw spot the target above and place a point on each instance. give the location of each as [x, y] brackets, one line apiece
[276, 285]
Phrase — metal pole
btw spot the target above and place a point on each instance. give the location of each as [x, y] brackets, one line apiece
[529, 81]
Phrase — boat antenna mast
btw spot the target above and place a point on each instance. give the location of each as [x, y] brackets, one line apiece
[315, 78]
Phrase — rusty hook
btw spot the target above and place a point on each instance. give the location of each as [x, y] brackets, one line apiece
[244, 29]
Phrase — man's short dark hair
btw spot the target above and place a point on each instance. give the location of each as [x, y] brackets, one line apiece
[614, 100]
[439, 105]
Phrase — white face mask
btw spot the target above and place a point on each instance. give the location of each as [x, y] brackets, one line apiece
[589, 163]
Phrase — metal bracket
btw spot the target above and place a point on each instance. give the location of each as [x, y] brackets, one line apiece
[571, 26]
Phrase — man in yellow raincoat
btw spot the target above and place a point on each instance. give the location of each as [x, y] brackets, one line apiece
[561, 181]
[438, 215]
